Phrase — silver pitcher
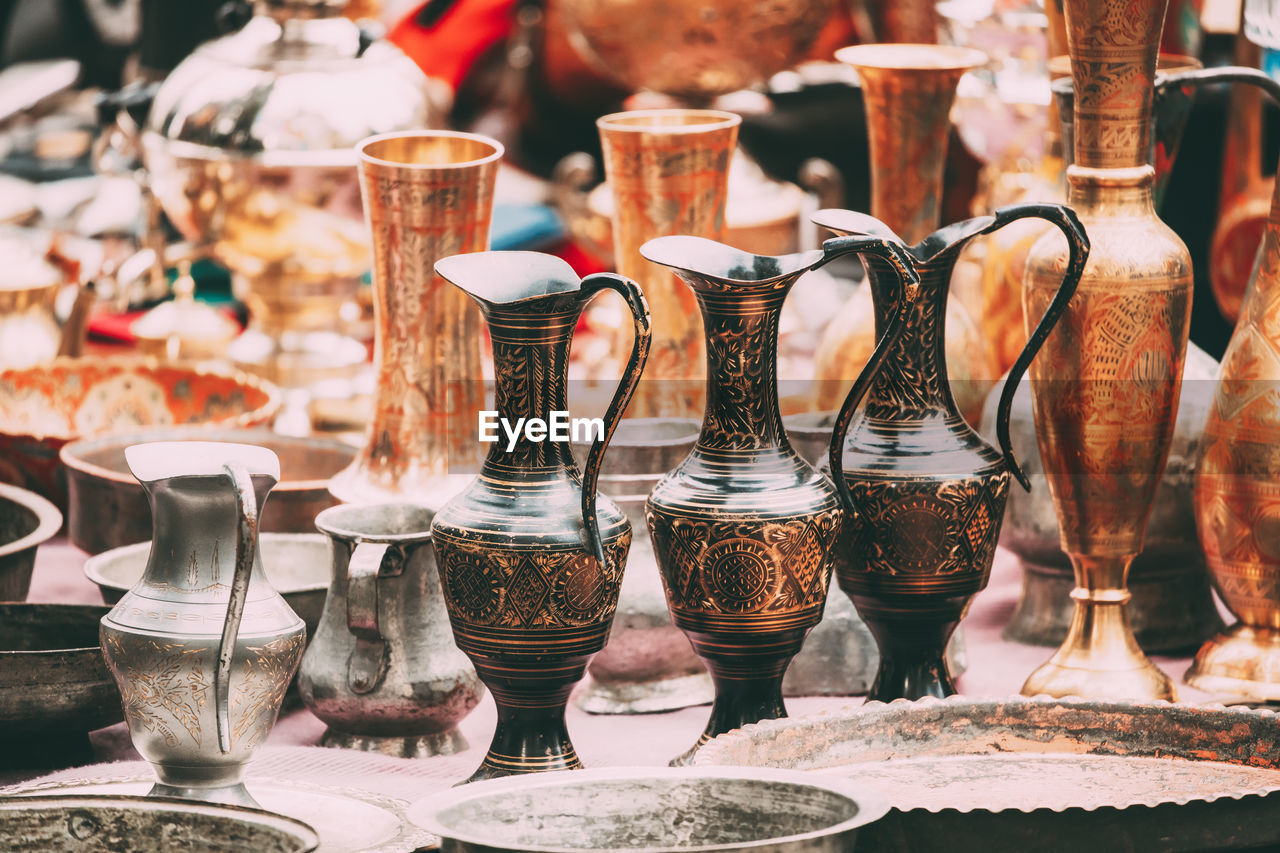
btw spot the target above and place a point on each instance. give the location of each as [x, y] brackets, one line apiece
[382, 670]
[202, 647]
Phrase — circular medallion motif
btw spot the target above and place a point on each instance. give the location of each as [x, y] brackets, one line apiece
[582, 592]
[918, 534]
[472, 588]
[740, 575]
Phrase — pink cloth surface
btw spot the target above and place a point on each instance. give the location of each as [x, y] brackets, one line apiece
[996, 668]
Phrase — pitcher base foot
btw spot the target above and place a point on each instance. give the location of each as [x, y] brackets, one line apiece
[448, 742]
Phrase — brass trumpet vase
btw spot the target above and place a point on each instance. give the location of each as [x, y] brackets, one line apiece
[908, 91]
[1106, 385]
[427, 195]
[530, 558]
[744, 528]
[924, 494]
[668, 171]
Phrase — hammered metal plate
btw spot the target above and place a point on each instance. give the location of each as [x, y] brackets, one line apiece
[329, 792]
[1071, 774]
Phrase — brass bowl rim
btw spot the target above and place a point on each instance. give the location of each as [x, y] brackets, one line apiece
[48, 518]
[245, 420]
[942, 57]
[621, 122]
[870, 805]
[326, 524]
[303, 832]
[362, 149]
[194, 432]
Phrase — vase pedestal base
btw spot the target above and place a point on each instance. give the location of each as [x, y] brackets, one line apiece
[1241, 661]
[1100, 658]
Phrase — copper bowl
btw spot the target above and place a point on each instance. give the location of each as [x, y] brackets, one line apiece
[106, 507]
[26, 521]
[43, 408]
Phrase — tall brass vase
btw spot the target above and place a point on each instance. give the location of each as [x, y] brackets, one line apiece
[908, 90]
[1106, 385]
[668, 171]
[427, 195]
[1237, 492]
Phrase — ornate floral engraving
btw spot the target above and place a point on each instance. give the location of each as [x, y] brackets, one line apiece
[164, 686]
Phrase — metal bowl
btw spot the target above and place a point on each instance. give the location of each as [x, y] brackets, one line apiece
[651, 809]
[88, 824]
[54, 686]
[107, 508]
[26, 521]
[298, 565]
[43, 408]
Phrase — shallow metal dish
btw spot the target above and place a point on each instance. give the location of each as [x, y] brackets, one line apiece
[26, 521]
[1020, 774]
[106, 507]
[298, 565]
[146, 825]
[650, 809]
[44, 407]
[54, 686]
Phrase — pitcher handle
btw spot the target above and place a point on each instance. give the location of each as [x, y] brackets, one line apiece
[1197, 77]
[908, 292]
[246, 553]
[367, 665]
[630, 291]
[1078, 253]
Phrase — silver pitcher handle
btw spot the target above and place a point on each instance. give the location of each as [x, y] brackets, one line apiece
[246, 553]
[367, 665]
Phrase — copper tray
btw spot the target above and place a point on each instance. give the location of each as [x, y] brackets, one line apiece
[1040, 773]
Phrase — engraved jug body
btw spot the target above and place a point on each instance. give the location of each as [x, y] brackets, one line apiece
[924, 493]
[530, 558]
[203, 648]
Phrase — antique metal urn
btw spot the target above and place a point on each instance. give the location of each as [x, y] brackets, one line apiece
[249, 145]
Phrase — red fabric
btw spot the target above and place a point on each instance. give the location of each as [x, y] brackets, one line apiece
[453, 44]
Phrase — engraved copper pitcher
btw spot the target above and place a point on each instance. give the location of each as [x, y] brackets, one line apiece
[923, 492]
[1106, 386]
[202, 647]
[744, 528]
[530, 557]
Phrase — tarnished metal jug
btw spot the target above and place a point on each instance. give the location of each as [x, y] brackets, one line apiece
[202, 647]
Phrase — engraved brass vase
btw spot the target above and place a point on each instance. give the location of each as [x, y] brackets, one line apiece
[202, 647]
[382, 670]
[530, 557]
[427, 195]
[908, 91]
[744, 528]
[1106, 386]
[925, 494]
[1237, 491]
[668, 171]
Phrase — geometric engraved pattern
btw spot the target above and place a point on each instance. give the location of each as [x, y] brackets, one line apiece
[745, 566]
[485, 585]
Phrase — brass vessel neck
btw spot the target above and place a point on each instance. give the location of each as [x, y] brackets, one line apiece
[530, 364]
[913, 382]
[1129, 191]
[1113, 46]
[742, 355]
